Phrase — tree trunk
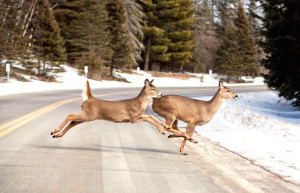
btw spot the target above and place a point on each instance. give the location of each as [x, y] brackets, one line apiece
[26, 23]
[146, 66]
[181, 67]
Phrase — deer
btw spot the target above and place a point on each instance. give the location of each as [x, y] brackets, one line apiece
[130, 110]
[191, 111]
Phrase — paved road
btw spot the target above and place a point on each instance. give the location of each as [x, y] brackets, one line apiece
[101, 156]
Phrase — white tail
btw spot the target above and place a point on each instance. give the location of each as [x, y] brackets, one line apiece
[130, 110]
[86, 92]
[193, 112]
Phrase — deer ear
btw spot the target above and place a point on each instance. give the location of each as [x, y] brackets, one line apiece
[221, 85]
[146, 82]
[151, 81]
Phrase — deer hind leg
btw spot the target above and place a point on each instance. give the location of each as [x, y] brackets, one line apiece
[175, 126]
[190, 131]
[72, 124]
[176, 132]
[71, 117]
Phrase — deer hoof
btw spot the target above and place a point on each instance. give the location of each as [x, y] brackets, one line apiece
[162, 133]
[51, 133]
[169, 136]
[183, 153]
[53, 136]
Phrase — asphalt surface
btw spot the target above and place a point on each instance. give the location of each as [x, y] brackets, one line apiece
[102, 156]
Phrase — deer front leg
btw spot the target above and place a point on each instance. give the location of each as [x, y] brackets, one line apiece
[175, 126]
[191, 139]
[176, 131]
[147, 118]
[190, 131]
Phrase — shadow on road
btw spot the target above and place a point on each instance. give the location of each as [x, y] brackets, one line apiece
[106, 149]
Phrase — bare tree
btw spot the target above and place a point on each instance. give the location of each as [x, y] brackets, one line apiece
[133, 25]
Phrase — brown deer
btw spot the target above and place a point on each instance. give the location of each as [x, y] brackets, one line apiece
[130, 110]
[191, 111]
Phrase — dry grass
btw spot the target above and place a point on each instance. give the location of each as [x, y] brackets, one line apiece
[46, 78]
[173, 75]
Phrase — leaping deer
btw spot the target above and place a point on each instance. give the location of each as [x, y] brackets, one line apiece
[130, 110]
[191, 111]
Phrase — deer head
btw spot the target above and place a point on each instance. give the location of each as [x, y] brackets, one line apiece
[150, 90]
[225, 92]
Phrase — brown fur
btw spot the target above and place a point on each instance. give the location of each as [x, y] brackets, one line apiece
[191, 111]
[130, 110]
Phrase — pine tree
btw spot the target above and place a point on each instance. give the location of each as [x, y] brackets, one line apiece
[48, 46]
[255, 26]
[205, 36]
[282, 44]
[156, 43]
[236, 55]
[177, 23]
[227, 60]
[171, 41]
[84, 28]
[13, 45]
[118, 36]
[246, 48]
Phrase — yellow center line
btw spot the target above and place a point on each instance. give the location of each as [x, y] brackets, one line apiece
[27, 118]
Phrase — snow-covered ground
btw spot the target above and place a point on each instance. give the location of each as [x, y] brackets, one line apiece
[71, 80]
[259, 126]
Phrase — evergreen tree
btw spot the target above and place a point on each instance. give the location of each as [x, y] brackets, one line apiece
[205, 36]
[227, 60]
[13, 45]
[156, 43]
[236, 55]
[255, 26]
[170, 39]
[246, 48]
[48, 46]
[84, 28]
[282, 44]
[118, 36]
[177, 23]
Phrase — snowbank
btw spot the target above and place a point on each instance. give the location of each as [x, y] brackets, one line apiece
[261, 127]
[71, 80]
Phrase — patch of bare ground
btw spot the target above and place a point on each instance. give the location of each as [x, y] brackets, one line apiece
[180, 76]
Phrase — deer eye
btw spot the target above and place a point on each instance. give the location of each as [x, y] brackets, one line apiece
[228, 91]
[153, 89]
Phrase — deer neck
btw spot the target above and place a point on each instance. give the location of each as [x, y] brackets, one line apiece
[142, 99]
[215, 103]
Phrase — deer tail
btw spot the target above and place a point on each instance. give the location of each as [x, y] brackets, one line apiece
[86, 92]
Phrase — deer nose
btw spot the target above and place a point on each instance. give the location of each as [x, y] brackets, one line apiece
[236, 96]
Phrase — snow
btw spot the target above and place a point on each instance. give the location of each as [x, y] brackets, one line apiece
[259, 126]
[72, 80]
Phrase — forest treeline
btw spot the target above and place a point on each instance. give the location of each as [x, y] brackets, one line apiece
[173, 35]
[233, 38]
